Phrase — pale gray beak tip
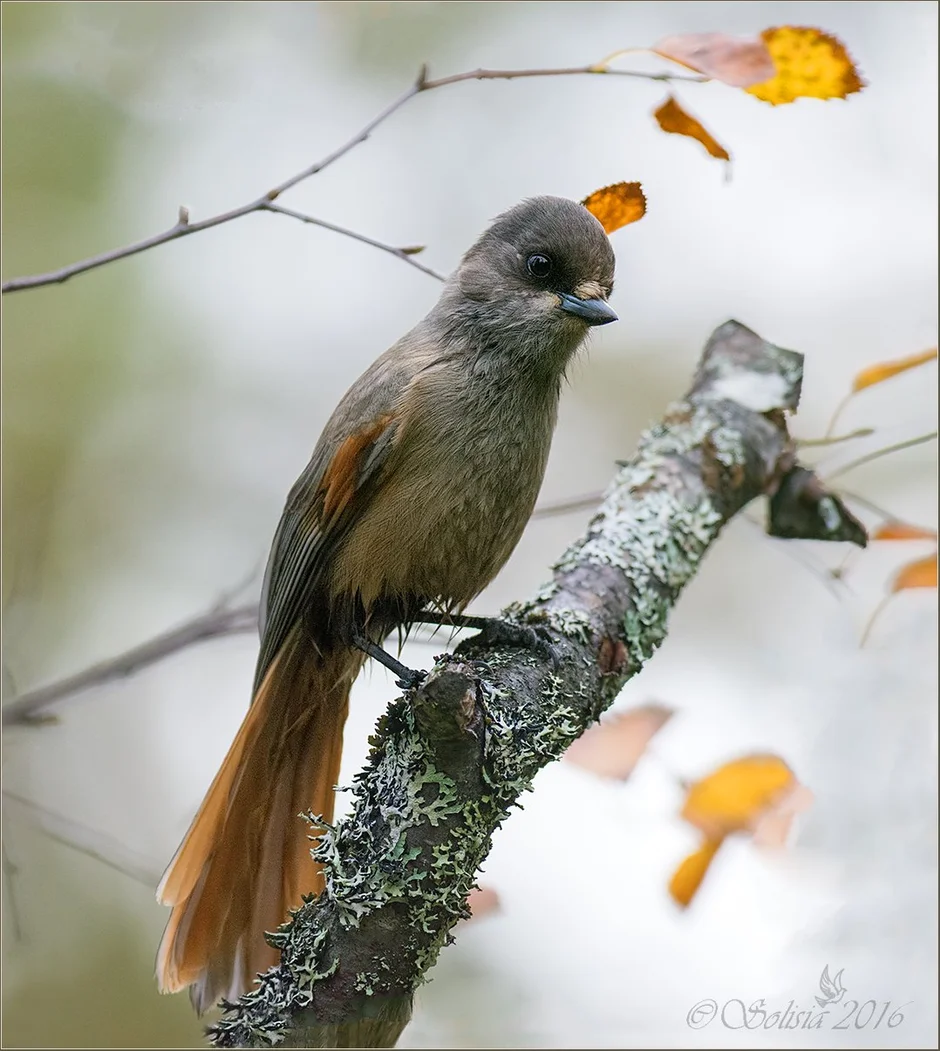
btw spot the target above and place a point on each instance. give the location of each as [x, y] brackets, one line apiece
[593, 311]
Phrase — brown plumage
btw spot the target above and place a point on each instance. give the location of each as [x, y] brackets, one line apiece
[417, 492]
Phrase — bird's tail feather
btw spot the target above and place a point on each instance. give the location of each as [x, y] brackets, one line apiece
[245, 861]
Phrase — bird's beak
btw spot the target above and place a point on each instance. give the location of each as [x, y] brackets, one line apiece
[593, 311]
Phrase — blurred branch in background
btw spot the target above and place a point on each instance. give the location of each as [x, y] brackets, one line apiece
[225, 619]
[222, 619]
[452, 757]
[183, 227]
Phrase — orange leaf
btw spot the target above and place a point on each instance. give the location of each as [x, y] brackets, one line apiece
[886, 369]
[689, 875]
[738, 61]
[895, 530]
[614, 747]
[733, 797]
[809, 64]
[617, 205]
[920, 574]
[673, 118]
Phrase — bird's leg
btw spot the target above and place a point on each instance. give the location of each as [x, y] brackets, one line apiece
[496, 631]
[407, 678]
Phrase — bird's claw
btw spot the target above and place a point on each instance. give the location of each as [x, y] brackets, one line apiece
[536, 639]
[412, 680]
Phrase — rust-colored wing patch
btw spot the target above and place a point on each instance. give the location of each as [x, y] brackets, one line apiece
[344, 473]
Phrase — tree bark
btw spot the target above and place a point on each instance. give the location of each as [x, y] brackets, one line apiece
[450, 759]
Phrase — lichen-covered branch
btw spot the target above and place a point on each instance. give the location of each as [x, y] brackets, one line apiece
[451, 759]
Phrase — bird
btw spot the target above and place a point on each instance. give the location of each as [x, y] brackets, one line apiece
[416, 494]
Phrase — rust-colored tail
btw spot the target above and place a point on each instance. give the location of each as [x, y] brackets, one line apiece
[246, 860]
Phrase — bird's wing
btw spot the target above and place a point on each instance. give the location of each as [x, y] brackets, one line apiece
[345, 470]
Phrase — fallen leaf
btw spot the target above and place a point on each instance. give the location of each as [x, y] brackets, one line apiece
[612, 748]
[809, 64]
[886, 369]
[895, 530]
[919, 574]
[733, 797]
[689, 875]
[617, 205]
[756, 794]
[673, 118]
[737, 61]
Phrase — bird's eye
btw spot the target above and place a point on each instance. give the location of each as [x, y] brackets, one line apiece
[539, 265]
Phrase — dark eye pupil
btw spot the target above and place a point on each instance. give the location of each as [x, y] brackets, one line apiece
[539, 265]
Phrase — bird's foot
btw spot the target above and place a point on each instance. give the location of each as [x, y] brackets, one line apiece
[406, 678]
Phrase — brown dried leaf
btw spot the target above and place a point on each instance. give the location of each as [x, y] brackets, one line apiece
[884, 370]
[617, 205]
[613, 747]
[919, 574]
[737, 61]
[895, 530]
[673, 118]
[809, 64]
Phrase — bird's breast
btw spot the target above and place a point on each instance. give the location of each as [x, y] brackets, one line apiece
[459, 491]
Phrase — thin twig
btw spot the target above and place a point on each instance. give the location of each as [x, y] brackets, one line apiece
[96, 844]
[878, 453]
[10, 872]
[399, 253]
[183, 227]
[572, 503]
[27, 708]
[861, 432]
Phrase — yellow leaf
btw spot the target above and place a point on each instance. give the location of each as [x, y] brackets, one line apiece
[920, 574]
[884, 370]
[809, 64]
[734, 797]
[613, 747]
[737, 61]
[902, 531]
[673, 118]
[617, 205]
[689, 875]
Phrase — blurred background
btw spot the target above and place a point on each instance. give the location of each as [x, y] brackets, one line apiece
[156, 411]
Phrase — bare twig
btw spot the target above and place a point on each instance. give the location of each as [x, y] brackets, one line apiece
[399, 253]
[571, 503]
[861, 432]
[184, 228]
[227, 620]
[88, 841]
[10, 872]
[878, 453]
[28, 709]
